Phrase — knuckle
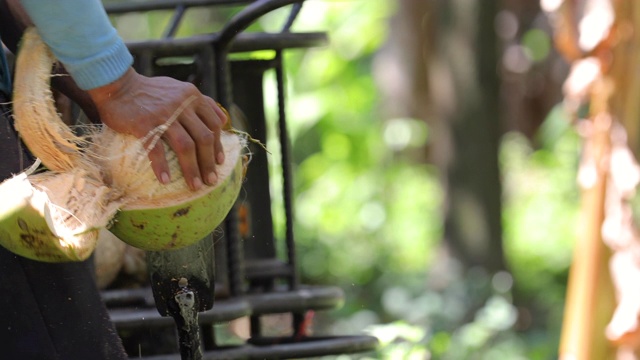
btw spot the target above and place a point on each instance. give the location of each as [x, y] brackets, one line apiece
[183, 145]
[139, 128]
[191, 89]
[205, 138]
[219, 120]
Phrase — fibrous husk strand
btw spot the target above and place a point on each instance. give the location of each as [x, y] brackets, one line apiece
[126, 167]
[33, 102]
[76, 205]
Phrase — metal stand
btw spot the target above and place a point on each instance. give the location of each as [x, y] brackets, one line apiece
[251, 280]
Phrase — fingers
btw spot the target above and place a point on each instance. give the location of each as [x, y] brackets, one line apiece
[159, 164]
[184, 146]
[205, 145]
[195, 138]
[220, 112]
[218, 118]
[148, 103]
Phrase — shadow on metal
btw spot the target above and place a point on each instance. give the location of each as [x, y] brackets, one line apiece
[251, 279]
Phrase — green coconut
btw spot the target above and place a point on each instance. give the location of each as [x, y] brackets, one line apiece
[167, 216]
[104, 181]
[35, 220]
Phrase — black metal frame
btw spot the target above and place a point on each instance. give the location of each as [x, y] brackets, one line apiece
[248, 272]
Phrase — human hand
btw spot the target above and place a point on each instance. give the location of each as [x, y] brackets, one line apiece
[136, 105]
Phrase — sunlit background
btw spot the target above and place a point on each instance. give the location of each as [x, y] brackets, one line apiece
[370, 196]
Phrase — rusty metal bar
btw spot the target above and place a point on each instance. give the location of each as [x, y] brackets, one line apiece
[287, 176]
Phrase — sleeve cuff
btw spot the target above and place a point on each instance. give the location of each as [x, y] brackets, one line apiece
[97, 72]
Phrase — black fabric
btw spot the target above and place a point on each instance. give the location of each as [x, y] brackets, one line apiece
[53, 311]
[48, 311]
[10, 33]
[10, 29]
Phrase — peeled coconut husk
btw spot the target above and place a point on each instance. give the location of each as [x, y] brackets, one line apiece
[108, 258]
[118, 262]
[98, 182]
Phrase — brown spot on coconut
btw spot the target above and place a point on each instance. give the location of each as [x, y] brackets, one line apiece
[94, 182]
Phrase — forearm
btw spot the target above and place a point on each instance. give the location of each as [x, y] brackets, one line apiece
[82, 38]
[69, 88]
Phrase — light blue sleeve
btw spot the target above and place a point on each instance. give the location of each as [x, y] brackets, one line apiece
[82, 38]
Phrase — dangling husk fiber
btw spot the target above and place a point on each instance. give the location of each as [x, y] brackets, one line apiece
[51, 140]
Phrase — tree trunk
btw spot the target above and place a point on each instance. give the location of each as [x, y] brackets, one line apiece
[440, 65]
[465, 93]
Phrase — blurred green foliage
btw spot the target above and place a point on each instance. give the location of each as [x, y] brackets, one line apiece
[368, 214]
[358, 199]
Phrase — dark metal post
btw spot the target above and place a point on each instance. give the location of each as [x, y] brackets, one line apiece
[175, 21]
[287, 177]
